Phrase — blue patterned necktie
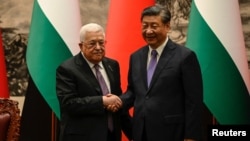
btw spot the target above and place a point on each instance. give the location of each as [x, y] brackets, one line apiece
[152, 65]
[105, 91]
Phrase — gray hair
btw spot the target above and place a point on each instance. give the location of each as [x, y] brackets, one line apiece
[90, 27]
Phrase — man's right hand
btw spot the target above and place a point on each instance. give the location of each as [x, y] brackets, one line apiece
[112, 102]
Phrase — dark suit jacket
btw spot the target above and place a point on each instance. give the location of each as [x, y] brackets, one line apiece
[83, 116]
[170, 109]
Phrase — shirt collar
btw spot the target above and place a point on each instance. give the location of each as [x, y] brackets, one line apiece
[160, 48]
[91, 65]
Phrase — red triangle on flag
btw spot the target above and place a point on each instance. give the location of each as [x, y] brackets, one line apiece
[4, 90]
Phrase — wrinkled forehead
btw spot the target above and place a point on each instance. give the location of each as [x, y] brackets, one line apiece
[94, 35]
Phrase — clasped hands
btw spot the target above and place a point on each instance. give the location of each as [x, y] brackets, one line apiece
[112, 102]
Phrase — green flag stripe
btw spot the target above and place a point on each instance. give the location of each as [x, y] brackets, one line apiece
[46, 50]
[225, 92]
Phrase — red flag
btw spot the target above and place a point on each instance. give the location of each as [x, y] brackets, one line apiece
[123, 33]
[4, 90]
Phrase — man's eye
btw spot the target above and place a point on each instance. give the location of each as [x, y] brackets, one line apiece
[101, 43]
[92, 44]
[155, 26]
[144, 26]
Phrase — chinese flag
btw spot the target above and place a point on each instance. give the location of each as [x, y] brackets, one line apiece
[123, 33]
[4, 90]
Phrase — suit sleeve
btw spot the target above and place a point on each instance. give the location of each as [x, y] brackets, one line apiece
[192, 81]
[126, 124]
[69, 97]
[128, 97]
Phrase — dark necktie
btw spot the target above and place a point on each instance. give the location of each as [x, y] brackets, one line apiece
[105, 91]
[152, 65]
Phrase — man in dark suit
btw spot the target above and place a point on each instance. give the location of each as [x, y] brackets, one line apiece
[167, 108]
[82, 98]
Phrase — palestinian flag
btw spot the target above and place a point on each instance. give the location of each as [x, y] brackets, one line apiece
[53, 37]
[215, 34]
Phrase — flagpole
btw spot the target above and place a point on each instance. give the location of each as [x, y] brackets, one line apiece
[214, 121]
[53, 127]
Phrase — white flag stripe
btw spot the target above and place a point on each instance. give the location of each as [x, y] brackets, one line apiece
[67, 10]
[226, 24]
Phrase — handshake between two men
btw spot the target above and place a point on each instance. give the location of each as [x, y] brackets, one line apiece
[112, 102]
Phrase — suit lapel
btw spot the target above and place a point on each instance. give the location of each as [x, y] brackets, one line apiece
[88, 73]
[166, 55]
[143, 63]
[110, 71]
